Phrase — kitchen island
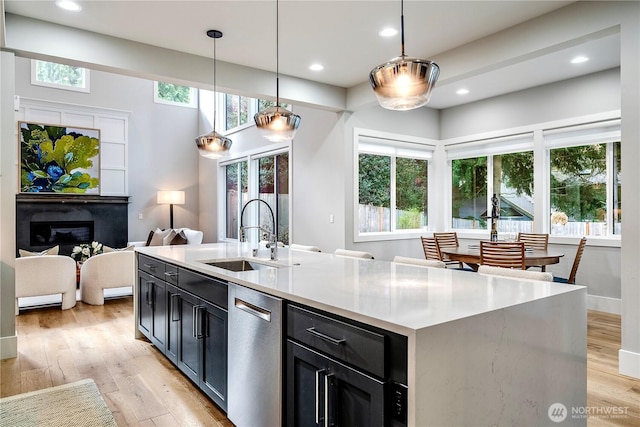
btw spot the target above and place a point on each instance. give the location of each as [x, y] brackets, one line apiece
[480, 350]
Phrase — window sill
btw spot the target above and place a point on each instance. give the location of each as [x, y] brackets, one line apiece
[602, 241]
[398, 235]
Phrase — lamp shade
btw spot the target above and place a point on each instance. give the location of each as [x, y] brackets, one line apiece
[171, 197]
[213, 145]
[404, 83]
[277, 124]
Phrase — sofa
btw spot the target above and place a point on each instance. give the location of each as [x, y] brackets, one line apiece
[168, 236]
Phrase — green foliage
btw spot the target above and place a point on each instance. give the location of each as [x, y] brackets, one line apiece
[517, 172]
[469, 181]
[411, 184]
[50, 72]
[410, 219]
[174, 93]
[50, 159]
[373, 181]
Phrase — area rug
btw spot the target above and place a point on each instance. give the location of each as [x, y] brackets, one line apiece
[73, 404]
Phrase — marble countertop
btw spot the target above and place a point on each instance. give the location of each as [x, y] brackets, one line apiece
[400, 298]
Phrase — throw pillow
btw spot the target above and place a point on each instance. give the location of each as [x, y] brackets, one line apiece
[179, 239]
[166, 241]
[51, 251]
[158, 237]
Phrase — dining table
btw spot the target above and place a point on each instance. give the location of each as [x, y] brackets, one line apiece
[470, 255]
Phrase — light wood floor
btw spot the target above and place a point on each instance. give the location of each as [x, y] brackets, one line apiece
[143, 389]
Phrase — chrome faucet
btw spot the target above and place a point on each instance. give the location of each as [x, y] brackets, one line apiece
[273, 238]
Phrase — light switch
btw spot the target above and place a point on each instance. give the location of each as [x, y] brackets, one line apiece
[140, 216]
[331, 219]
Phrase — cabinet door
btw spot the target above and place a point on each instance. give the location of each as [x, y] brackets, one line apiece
[213, 380]
[323, 392]
[173, 323]
[145, 311]
[159, 314]
[189, 358]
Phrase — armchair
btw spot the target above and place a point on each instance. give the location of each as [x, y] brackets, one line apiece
[46, 275]
[107, 270]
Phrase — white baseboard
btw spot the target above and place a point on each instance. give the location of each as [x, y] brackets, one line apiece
[8, 347]
[629, 363]
[56, 299]
[605, 304]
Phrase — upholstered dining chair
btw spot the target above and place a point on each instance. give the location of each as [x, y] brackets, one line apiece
[515, 273]
[46, 275]
[353, 254]
[419, 262]
[448, 239]
[574, 268]
[307, 248]
[502, 254]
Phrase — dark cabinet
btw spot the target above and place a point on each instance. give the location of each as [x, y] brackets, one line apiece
[184, 314]
[324, 392]
[343, 373]
[152, 307]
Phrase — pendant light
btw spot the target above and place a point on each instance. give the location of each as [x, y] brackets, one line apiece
[404, 83]
[213, 145]
[277, 124]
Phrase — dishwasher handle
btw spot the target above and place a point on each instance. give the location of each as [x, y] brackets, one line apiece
[247, 307]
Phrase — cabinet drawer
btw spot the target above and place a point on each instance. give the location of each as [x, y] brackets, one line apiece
[151, 266]
[207, 288]
[171, 274]
[359, 347]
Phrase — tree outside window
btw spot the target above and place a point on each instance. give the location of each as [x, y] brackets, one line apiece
[389, 188]
[62, 76]
[169, 93]
[236, 191]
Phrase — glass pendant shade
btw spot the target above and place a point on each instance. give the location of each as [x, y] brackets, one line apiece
[213, 145]
[404, 83]
[277, 124]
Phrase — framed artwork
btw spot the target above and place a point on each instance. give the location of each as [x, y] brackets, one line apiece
[59, 159]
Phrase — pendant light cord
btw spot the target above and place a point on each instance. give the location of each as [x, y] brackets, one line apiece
[402, 25]
[214, 85]
[277, 55]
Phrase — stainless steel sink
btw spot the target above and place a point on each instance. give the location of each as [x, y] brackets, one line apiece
[238, 265]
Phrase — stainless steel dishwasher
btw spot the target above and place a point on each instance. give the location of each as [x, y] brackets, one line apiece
[255, 358]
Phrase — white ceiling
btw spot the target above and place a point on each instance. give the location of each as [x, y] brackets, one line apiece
[341, 35]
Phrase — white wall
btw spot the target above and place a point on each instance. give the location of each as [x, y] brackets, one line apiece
[162, 151]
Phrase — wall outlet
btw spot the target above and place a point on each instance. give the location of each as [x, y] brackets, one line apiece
[331, 218]
[139, 216]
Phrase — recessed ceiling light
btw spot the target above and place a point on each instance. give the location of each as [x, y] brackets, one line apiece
[388, 32]
[462, 91]
[579, 59]
[316, 67]
[68, 5]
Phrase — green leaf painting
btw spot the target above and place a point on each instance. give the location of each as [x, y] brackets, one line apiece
[57, 159]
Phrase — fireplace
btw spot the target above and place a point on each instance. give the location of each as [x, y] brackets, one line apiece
[43, 221]
[60, 232]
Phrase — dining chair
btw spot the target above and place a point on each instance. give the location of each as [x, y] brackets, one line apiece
[536, 241]
[296, 247]
[431, 248]
[502, 254]
[515, 273]
[418, 262]
[448, 239]
[353, 254]
[576, 262]
[539, 241]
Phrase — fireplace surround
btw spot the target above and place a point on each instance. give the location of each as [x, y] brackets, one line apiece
[43, 221]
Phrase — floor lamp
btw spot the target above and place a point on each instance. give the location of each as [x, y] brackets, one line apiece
[171, 198]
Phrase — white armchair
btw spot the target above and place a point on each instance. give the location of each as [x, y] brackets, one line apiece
[46, 275]
[107, 270]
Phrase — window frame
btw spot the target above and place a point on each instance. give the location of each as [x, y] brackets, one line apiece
[251, 157]
[85, 71]
[193, 96]
[368, 141]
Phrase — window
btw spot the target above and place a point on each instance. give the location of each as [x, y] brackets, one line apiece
[168, 93]
[266, 177]
[238, 111]
[505, 170]
[392, 177]
[60, 76]
[585, 180]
